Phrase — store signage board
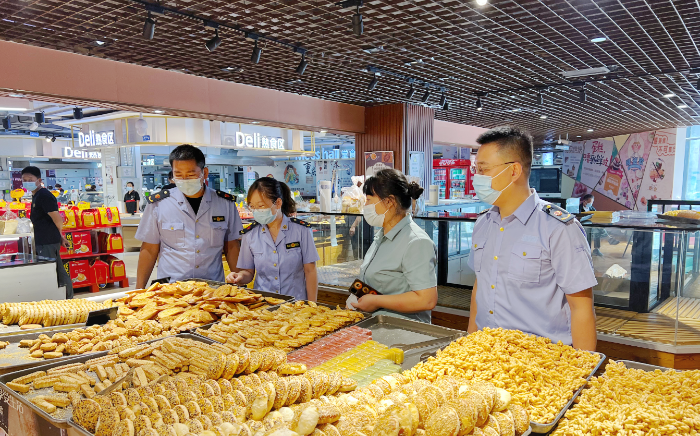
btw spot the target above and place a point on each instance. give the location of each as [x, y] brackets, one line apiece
[330, 154]
[256, 140]
[376, 161]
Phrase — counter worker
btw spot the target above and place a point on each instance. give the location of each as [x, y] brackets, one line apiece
[276, 250]
[131, 199]
[400, 263]
[48, 224]
[186, 228]
[533, 264]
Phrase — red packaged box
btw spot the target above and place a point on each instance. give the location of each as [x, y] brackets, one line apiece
[100, 272]
[117, 270]
[9, 247]
[79, 271]
[111, 242]
[78, 243]
[88, 218]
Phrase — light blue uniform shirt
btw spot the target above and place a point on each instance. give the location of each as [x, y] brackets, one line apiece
[190, 246]
[401, 261]
[525, 266]
[279, 265]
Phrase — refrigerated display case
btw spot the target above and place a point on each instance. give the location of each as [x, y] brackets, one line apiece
[453, 178]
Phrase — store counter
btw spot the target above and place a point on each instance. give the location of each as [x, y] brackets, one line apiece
[130, 223]
[25, 277]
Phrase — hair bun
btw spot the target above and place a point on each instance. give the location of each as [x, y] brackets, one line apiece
[414, 190]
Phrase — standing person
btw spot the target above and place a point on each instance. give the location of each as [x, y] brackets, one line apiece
[277, 250]
[132, 199]
[400, 263]
[48, 223]
[186, 228]
[533, 264]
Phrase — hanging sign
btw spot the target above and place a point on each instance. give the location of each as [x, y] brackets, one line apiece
[256, 140]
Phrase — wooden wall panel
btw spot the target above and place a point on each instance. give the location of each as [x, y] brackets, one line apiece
[383, 132]
[418, 136]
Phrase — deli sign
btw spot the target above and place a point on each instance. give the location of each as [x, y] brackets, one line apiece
[256, 140]
[90, 139]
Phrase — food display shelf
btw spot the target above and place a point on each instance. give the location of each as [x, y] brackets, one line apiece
[13, 358]
[62, 418]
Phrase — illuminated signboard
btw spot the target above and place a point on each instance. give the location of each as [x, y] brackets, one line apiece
[93, 138]
[256, 140]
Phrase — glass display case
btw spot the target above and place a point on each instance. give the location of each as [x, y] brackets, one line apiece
[24, 275]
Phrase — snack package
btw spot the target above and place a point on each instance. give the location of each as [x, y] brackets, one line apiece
[79, 271]
[8, 223]
[110, 243]
[117, 270]
[99, 272]
[78, 243]
[360, 289]
[108, 216]
[87, 218]
[353, 200]
[69, 219]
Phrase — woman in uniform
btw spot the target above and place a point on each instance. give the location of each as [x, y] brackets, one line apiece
[276, 250]
[400, 263]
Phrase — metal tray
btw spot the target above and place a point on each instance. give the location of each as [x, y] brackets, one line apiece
[645, 366]
[214, 284]
[678, 219]
[13, 358]
[62, 420]
[391, 331]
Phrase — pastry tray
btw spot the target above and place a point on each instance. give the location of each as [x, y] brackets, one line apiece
[644, 366]
[214, 284]
[678, 219]
[62, 415]
[537, 427]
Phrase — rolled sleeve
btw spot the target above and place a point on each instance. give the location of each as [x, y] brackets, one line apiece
[571, 259]
[235, 225]
[245, 256]
[309, 254]
[419, 264]
[149, 231]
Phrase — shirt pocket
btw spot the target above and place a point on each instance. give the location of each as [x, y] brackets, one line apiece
[478, 251]
[218, 233]
[525, 263]
[173, 234]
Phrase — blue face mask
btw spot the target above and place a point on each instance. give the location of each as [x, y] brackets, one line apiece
[29, 186]
[483, 188]
[264, 216]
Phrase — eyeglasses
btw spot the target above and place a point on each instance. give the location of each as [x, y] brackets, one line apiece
[475, 170]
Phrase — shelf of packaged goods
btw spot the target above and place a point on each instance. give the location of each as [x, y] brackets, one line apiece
[82, 229]
[15, 236]
[87, 255]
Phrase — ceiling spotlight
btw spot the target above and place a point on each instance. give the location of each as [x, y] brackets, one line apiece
[302, 65]
[257, 52]
[669, 95]
[411, 92]
[78, 113]
[158, 111]
[578, 136]
[213, 43]
[540, 98]
[16, 95]
[39, 117]
[478, 104]
[589, 130]
[100, 43]
[482, 2]
[543, 117]
[48, 139]
[149, 27]
[446, 106]
[357, 26]
[582, 95]
[53, 138]
[682, 106]
[599, 39]
[373, 83]
[443, 99]
[426, 96]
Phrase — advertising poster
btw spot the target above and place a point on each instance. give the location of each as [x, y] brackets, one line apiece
[376, 161]
[597, 155]
[634, 156]
[572, 159]
[658, 173]
[580, 190]
[614, 184]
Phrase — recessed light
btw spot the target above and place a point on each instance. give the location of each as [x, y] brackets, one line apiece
[479, 109]
[323, 131]
[543, 117]
[682, 106]
[255, 122]
[516, 110]
[578, 136]
[371, 50]
[589, 130]
[15, 109]
[158, 111]
[482, 2]
[16, 95]
[669, 95]
[100, 42]
[599, 39]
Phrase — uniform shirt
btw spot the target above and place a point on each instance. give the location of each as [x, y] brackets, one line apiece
[45, 230]
[190, 244]
[525, 266]
[279, 265]
[130, 199]
[401, 261]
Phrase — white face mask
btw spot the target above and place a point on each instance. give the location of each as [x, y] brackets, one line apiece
[483, 188]
[369, 211]
[189, 187]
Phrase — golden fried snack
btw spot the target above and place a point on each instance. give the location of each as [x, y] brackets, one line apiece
[86, 414]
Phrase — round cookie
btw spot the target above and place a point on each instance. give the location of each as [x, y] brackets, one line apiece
[86, 414]
[444, 422]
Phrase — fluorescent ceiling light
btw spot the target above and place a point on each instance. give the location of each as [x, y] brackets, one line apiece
[599, 39]
[589, 130]
[669, 95]
[18, 109]
[585, 72]
[682, 106]
[543, 117]
[100, 42]
[16, 95]
[157, 111]
[482, 2]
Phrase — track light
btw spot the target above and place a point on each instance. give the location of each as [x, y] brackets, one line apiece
[149, 27]
[39, 117]
[257, 52]
[411, 92]
[582, 95]
[78, 113]
[373, 83]
[426, 96]
[53, 138]
[213, 43]
[478, 103]
[302, 65]
[7, 123]
[358, 26]
[443, 99]
[48, 139]
[540, 98]
[446, 106]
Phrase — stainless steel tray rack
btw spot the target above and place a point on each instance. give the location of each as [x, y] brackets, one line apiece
[13, 358]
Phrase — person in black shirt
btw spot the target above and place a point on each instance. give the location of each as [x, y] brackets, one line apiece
[47, 224]
[131, 199]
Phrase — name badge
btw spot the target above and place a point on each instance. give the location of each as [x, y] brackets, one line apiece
[218, 219]
[293, 245]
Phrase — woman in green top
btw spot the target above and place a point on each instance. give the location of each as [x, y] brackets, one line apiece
[400, 263]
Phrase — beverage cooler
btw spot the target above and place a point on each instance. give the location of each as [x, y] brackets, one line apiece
[453, 178]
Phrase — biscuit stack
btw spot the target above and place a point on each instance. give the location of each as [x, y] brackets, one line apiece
[50, 313]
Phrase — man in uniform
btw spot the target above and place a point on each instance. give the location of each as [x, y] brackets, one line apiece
[533, 264]
[186, 228]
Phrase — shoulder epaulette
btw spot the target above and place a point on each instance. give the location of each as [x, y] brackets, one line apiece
[225, 195]
[484, 211]
[158, 196]
[249, 228]
[300, 222]
[557, 212]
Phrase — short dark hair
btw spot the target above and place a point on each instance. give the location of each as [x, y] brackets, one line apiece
[58, 185]
[36, 172]
[187, 152]
[587, 197]
[511, 139]
[170, 175]
[392, 183]
[129, 183]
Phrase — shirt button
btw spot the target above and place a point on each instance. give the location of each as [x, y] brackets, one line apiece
[171, 228]
[501, 228]
[198, 221]
[197, 266]
[275, 251]
[275, 278]
[197, 237]
[197, 251]
[474, 244]
[274, 264]
[495, 257]
[491, 312]
[524, 253]
[493, 286]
